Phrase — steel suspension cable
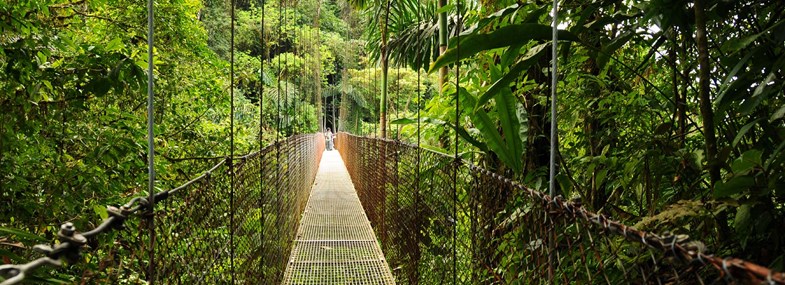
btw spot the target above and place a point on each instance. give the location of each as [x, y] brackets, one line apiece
[278, 117]
[384, 56]
[286, 81]
[419, 135]
[231, 143]
[278, 79]
[150, 137]
[554, 127]
[296, 97]
[457, 124]
[262, 197]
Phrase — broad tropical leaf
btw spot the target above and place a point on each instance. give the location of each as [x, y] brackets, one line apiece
[506, 36]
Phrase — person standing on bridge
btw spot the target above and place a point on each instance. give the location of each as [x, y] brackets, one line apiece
[328, 136]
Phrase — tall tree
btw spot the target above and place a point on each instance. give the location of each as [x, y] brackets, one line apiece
[704, 92]
[443, 32]
[383, 27]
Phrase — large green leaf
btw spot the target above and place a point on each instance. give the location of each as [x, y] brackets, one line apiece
[531, 58]
[22, 234]
[487, 127]
[736, 44]
[743, 131]
[506, 36]
[748, 160]
[743, 220]
[611, 47]
[778, 114]
[733, 186]
[461, 130]
[731, 77]
[506, 108]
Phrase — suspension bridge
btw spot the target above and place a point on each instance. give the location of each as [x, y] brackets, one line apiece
[376, 211]
[395, 213]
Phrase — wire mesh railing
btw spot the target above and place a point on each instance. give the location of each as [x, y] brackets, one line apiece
[442, 220]
[195, 242]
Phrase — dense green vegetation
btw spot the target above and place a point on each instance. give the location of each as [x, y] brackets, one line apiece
[73, 97]
[670, 112]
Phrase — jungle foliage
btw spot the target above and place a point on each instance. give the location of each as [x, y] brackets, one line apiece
[73, 90]
[670, 112]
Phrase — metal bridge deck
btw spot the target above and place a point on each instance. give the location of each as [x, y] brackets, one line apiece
[335, 242]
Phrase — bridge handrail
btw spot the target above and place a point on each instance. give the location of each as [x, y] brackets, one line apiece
[679, 247]
[72, 241]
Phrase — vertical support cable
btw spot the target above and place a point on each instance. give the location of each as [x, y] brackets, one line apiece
[277, 184]
[261, 146]
[278, 91]
[286, 82]
[293, 120]
[295, 50]
[419, 149]
[457, 161]
[554, 136]
[231, 145]
[303, 74]
[280, 73]
[554, 128]
[150, 138]
[385, 64]
[419, 102]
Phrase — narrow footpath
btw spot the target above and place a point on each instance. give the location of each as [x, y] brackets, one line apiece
[335, 242]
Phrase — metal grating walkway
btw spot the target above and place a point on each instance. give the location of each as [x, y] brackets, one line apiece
[335, 242]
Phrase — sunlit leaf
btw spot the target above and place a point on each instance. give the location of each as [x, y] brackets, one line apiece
[506, 36]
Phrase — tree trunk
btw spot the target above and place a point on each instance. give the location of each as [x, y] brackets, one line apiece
[442, 43]
[707, 113]
[385, 64]
[537, 142]
[318, 60]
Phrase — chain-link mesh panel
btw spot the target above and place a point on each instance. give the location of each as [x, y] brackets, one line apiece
[206, 231]
[196, 242]
[268, 218]
[442, 220]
